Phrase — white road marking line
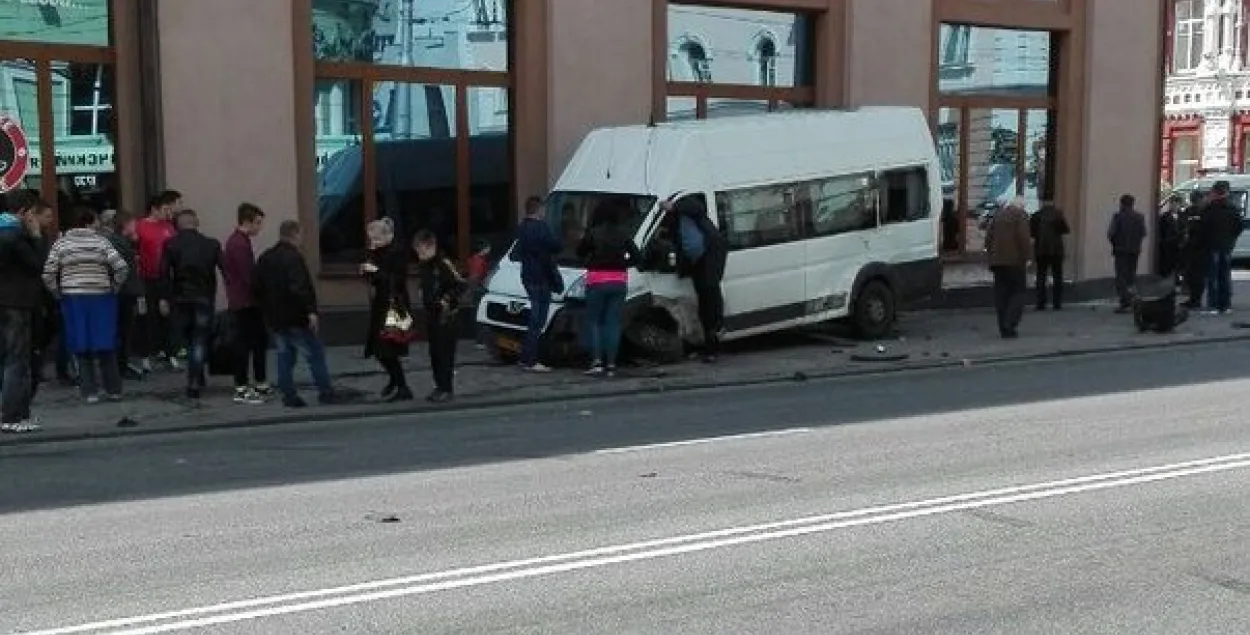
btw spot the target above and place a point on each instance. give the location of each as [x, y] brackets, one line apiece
[729, 437]
[603, 556]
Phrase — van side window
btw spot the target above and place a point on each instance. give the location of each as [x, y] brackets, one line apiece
[843, 204]
[904, 195]
[758, 217]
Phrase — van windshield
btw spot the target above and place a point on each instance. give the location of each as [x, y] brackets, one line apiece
[1236, 197]
[571, 213]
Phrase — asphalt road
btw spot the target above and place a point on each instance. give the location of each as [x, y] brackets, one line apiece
[1089, 495]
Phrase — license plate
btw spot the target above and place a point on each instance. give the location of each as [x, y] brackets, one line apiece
[508, 345]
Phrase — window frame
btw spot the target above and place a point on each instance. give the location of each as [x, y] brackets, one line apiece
[462, 81]
[1186, 29]
[801, 95]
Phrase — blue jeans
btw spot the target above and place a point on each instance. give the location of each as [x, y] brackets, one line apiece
[191, 325]
[540, 303]
[604, 303]
[290, 342]
[1220, 281]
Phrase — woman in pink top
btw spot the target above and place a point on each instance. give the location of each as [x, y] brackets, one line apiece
[608, 250]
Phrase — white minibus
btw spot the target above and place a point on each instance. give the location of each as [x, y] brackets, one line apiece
[828, 215]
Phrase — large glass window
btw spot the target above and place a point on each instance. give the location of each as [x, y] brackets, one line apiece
[445, 34]
[412, 116]
[995, 130]
[82, 114]
[726, 61]
[984, 60]
[80, 22]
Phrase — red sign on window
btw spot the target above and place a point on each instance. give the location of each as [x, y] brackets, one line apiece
[14, 153]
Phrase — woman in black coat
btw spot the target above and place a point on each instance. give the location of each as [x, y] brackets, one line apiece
[386, 271]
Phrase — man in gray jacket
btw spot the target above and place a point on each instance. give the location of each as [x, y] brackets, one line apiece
[1126, 233]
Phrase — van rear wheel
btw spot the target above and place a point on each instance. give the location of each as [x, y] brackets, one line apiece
[874, 311]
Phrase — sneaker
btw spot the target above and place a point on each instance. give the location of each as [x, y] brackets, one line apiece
[537, 368]
[146, 365]
[113, 397]
[439, 396]
[175, 365]
[26, 426]
[264, 390]
[93, 399]
[245, 395]
[595, 369]
[610, 371]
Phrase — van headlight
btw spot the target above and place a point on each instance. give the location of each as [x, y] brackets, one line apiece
[577, 290]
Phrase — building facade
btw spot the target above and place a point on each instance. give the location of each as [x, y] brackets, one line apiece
[1206, 99]
[444, 114]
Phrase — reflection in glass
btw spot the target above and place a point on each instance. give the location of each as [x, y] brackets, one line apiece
[81, 22]
[1036, 167]
[82, 112]
[948, 159]
[992, 167]
[340, 170]
[452, 34]
[976, 59]
[719, 107]
[716, 45]
[490, 179]
[19, 100]
[681, 108]
[415, 158]
[1185, 158]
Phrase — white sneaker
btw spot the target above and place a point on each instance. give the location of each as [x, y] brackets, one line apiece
[537, 368]
[247, 396]
[26, 426]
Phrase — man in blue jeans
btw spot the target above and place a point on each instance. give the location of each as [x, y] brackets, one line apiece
[536, 248]
[1221, 227]
[283, 289]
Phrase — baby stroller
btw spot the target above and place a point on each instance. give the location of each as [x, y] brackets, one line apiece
[1156, 309]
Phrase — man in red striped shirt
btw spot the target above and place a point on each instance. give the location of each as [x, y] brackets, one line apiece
[153, 231]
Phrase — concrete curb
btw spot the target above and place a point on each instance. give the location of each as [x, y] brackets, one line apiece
[374, 410]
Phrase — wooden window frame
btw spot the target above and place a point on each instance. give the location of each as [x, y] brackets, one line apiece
[42, 55]
[461, 81]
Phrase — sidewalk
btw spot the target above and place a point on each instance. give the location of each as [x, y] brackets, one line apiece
[928, 340]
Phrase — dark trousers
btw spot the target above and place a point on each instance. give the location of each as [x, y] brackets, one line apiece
[711, 305]
[394, 369]
[1126, 277]
[127, 305]
[155, 328]
[1196, 265]
[442, 335]
[1220, 281]
[16, 329]
[540, 304]
[1050, 268]
[191, 325]
[1009, 288]
[251, 344]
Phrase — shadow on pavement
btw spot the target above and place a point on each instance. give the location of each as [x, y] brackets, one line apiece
[56, 475]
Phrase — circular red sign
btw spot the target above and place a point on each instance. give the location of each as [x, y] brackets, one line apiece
[14, 153]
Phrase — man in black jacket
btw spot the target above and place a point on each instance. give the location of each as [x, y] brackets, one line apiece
[189, 269]
[1195, 255]
[1221, 226]
[21, 297]
[283, 289]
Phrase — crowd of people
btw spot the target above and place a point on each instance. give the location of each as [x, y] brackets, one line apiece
[1195, 248]
[115, 297]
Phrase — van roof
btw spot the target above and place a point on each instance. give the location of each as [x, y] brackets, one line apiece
[746, 150]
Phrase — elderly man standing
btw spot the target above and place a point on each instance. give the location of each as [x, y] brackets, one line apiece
[1007, 246]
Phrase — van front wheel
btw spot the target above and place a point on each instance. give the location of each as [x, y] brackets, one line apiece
[874, 312]
[650, 339]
